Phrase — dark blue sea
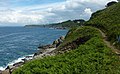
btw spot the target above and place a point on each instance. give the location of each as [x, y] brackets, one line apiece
[16, 42]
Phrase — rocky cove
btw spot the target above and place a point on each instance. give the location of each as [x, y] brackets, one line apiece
[43, 51]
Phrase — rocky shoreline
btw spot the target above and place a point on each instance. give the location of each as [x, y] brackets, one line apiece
[42, 52]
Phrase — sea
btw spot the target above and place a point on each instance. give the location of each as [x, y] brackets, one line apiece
[17, 42]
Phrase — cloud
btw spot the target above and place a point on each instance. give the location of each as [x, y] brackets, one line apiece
[50, 13]
[88, 11]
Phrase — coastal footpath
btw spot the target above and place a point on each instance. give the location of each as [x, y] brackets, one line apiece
[86, 49]
[92, 48]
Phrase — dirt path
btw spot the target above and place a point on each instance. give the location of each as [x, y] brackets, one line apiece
[109, 44]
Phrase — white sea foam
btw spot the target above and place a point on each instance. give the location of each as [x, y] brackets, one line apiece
[19, 60]
[16, 61]
[2, 68]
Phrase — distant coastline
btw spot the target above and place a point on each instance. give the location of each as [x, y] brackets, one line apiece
[62, 25]
[42, 26]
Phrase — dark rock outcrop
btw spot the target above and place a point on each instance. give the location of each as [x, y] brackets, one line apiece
[46, 46]
[0, 72]
[71, 45]
[7, 71]
[18, 64]
[57, 42]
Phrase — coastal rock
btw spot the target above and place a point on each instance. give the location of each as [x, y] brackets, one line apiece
[55, 42]
[60, 28]
[27, 58]
[10, 68]
[59, 42]
[47, 52]
[39, 52]
[35, 54]
[0, 72]
[62, 38]
[18, 64]
[7, 71]
[42, 51]
[46, 46]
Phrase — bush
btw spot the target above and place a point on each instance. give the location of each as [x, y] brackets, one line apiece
[111, 3]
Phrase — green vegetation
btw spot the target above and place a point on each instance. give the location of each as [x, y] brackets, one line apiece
[65, 24]
[111, 3]
[108, 20]
[91, 57]
[68, 24]
[84, 33]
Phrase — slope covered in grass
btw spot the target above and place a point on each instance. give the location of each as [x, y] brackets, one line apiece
[78, 36]
[91, 57]
[108, 20]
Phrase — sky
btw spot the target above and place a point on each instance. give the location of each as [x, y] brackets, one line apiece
[25, 12]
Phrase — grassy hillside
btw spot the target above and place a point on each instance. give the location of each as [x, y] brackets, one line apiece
[65, 24]
[91, 57]
[76, 37]
[68, 23]
[109, 21]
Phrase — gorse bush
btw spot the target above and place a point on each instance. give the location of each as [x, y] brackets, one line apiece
[111, 3]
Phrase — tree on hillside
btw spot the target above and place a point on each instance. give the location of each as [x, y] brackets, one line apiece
[111, 3]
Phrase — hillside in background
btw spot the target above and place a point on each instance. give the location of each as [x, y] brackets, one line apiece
[65, 24]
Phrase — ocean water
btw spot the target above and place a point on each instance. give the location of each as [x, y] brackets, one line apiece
[16, 42]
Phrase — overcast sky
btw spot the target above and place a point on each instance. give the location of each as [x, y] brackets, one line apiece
[21, 12]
